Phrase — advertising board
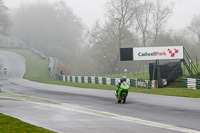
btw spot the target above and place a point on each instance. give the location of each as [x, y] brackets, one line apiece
[158, 53]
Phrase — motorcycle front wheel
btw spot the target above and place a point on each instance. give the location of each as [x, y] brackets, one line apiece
[124, 99]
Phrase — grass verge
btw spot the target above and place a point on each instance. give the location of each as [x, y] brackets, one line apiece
[139, 75]
[180, 92]
[12, 125]
[35, 67]
[37, 71]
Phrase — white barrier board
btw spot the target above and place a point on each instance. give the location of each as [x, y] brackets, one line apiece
[158, 53]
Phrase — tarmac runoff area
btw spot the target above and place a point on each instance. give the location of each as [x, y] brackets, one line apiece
[62, 117]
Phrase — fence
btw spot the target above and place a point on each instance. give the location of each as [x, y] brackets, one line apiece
[106, 81]
[41, 55]
[191, 83]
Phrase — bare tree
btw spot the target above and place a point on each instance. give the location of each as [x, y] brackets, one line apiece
[115, 33]
[143, 19]
[52, 28]
[120, 13]
[161, 14]
[5, 21]
[195, 28]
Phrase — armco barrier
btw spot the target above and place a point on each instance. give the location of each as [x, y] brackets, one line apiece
[191, 83]
[71, 79]
[89, 80]
[105, 81]
[57, 75]
[113, 82]
[133, 82]
[79, 79]
[66, 79]
[93, 80]
[96, 80]
[43, 57]
[61, 77]
[76, 79]
[197, 83]
[86, 79]
[82, 80]
[100, 80]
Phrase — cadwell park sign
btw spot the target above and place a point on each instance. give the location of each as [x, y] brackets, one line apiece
[151, 53]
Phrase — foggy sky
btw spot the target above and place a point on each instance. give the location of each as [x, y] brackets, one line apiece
[91, 10]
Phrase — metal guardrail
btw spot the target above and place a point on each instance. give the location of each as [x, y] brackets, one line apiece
[41, 55]
[106, 81]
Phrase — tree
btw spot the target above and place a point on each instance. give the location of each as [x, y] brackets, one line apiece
[107, 39]
[143, 19]
[151, 19]
[52, 29]
[194, 27]
[161, 14]
[5, 22]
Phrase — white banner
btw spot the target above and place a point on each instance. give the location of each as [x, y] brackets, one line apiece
[158, 53]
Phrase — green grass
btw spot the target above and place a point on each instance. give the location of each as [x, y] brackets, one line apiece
[181, 92]
[145, 76]
[12, 125]
[37, 71]
[35, 67]
[131, 76]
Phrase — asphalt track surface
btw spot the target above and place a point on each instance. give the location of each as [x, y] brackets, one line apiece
[77, 110]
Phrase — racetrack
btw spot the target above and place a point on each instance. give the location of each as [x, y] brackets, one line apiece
[70, 109]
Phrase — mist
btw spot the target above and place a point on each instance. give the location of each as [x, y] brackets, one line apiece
[54, 30]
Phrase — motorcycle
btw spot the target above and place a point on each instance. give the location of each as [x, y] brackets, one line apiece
[5, 70]
[123, 92]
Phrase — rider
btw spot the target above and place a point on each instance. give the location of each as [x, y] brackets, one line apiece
[5, 69]
[123, 79]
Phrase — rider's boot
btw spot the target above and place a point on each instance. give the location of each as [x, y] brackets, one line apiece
[116, 93]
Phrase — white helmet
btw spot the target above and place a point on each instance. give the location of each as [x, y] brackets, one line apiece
[124, 78]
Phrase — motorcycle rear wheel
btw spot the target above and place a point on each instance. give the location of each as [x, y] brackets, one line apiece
[119, 101]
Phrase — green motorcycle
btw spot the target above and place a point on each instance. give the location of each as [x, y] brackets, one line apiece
[123, 92]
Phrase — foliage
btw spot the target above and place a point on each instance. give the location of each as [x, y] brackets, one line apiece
[56, 31]
[194, 28]
[53, 29]
[172, 90]
[5, 21]
[128, 23]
